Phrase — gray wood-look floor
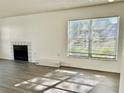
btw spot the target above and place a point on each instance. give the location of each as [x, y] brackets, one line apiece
[12, 73]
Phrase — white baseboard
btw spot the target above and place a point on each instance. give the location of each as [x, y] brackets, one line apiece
[48, 62]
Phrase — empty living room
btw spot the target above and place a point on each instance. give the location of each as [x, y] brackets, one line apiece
[61, 46]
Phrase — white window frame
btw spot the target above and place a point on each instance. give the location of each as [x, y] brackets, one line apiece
[90, 40]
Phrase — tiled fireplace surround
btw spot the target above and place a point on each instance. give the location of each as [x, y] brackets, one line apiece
[28, 43]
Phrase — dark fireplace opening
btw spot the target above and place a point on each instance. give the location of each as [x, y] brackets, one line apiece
[20, 52]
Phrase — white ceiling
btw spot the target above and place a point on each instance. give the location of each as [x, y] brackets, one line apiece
[21, 7]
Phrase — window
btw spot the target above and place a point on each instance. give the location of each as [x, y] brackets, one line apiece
[96, 38]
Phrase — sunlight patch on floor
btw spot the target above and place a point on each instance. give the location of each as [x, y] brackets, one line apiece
[61, 81]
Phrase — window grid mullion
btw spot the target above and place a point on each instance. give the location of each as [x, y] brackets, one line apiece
[90, 40]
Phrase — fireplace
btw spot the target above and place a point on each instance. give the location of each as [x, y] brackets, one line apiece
[20, 52]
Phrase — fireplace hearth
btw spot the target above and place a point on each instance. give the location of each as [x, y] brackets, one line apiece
[20, 52]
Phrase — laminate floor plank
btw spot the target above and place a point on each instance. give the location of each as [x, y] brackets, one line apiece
[12, 73]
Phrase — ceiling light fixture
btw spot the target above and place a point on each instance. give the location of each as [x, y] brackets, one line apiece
[111, 0]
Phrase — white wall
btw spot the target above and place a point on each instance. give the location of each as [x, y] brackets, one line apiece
[121, 90]
[48, 35]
